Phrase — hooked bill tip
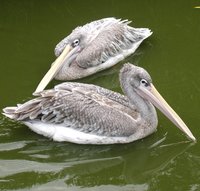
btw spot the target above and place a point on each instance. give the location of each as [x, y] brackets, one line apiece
[192, 138]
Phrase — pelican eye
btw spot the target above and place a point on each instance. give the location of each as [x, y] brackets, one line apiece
[75, 43]
[144, 82]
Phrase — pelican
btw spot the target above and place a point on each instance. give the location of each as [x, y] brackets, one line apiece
[93, 47]
[89, 114]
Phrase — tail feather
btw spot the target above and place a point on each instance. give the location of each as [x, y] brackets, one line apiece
[28, 106]
[28, 110]
[10, 112]
[142, 33]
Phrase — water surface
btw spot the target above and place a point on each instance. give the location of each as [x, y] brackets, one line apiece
[29, 31]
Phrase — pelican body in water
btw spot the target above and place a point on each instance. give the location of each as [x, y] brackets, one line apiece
[93, 47]
[89, 114]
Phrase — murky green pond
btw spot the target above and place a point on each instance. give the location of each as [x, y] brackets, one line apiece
[29, 30]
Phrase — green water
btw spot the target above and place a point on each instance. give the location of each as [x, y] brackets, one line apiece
[29, 30]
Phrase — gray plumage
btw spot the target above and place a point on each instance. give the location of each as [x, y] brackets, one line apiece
[102, 43]
[91, 109]
[89, 114]
[93, 47]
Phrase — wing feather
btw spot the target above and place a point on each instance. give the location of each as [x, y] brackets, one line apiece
[110, 42]
[89, 108]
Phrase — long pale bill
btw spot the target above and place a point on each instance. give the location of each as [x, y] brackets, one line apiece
[154, 96]
[53, 70]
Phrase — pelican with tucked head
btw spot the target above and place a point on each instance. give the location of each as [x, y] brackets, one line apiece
[89, 114]
[93, 47]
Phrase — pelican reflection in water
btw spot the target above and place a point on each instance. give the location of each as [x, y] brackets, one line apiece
[89, 114]
[94, 47]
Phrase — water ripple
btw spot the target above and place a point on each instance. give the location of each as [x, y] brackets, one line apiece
[12, 145]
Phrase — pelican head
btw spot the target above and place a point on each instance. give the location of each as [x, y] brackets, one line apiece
[93, 47]
[141, 84]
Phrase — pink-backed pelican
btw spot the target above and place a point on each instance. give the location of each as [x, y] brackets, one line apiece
[89, 114]
[93, 47]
